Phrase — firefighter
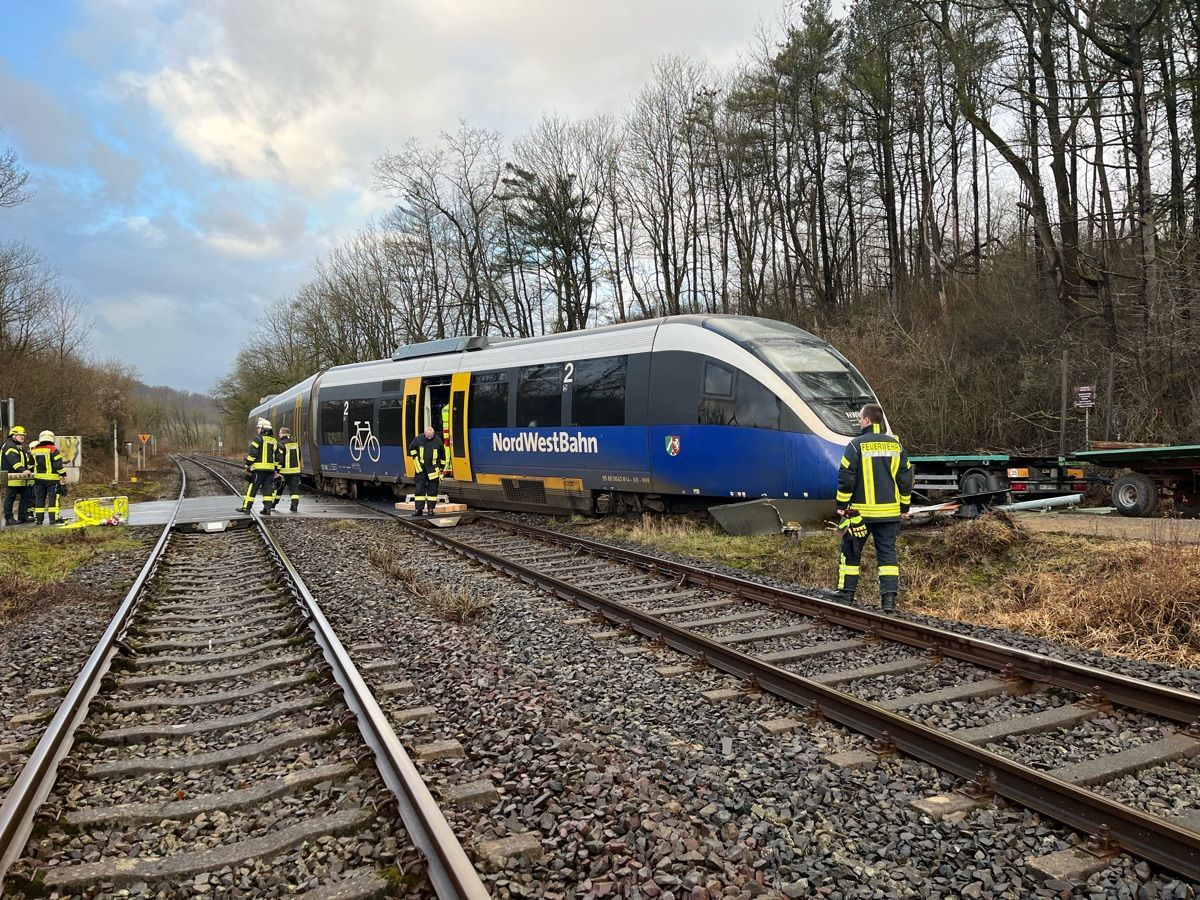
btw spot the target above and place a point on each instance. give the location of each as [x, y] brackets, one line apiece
[289, 468]
[261, 463]
[426, 451]
[48, 471]
[17, 464]
[446, 440]
[874, 493]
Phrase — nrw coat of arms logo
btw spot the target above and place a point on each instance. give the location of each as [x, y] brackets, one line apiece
[672, 445]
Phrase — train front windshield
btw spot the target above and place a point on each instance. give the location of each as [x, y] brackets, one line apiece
[827, 381]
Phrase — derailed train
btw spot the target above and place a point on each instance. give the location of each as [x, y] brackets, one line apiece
[666, 414]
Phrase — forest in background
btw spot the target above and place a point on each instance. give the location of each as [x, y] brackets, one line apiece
[951, 193]
[44, 345]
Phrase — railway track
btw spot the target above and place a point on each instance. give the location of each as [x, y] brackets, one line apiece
[1009, 722]
[219, 740]
[1002, 719]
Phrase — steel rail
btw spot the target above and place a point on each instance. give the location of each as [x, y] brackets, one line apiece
[1135, 693]
[1149, 837]
[37, 777]
[450, 870]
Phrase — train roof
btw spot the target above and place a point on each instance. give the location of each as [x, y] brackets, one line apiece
[446, 346]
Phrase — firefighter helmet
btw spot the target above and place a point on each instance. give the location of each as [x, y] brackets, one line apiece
[46, 436]
[264, 423]
[16, 429]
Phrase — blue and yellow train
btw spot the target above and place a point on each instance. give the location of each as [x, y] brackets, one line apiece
[666, 414]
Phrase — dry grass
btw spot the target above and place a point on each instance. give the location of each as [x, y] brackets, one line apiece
[395, 568]
[1132, 598]
[454, 603]
[34, 563]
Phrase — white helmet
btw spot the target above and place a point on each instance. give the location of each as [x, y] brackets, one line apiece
[264, 423]
[46, 436]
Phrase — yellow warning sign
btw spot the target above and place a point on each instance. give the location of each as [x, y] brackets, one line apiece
[143, 438]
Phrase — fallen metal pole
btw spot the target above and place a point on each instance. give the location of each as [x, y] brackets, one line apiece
[1046, 503]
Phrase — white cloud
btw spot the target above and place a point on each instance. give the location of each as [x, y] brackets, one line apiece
[309, 93]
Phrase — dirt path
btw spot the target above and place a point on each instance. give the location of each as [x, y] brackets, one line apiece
[1161, 531]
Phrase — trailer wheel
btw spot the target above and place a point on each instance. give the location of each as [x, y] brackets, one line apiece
[979, 481]
[1134, 494]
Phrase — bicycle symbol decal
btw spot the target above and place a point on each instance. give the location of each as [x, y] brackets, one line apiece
[363, 439]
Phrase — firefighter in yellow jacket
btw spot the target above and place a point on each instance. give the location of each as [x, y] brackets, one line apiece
[289, 466]
[426, 451]
[874, 492]
[48, 472]
[17, 464]
[261, 463]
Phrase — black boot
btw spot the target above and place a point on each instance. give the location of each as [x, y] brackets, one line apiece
[888, 603]
[418, 512]
[295, 505]
[266, 510]
[9, 521]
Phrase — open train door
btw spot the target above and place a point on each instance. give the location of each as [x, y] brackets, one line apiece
[460, 451]
[412, 420]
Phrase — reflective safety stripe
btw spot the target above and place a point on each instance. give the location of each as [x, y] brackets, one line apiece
[889, 570]
[262, 453]
[845, 463]
[44, 468]
[879, 510]
[843, 496]
[291, 458]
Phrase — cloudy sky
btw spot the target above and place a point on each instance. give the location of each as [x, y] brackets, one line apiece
[192, 159]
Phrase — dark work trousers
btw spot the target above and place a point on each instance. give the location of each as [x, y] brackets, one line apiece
[45, 500]
[291, 485]
[264, 482]
[425, 491]
[23, 496]
[884, 535]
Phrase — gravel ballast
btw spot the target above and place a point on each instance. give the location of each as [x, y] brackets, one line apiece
[632, 782]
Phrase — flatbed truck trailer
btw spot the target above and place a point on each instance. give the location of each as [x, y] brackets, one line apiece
[999, 476]
[1155, 474]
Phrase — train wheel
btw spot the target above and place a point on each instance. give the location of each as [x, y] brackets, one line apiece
[1134, 494]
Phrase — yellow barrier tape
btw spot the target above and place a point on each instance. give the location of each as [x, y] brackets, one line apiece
[100, 511]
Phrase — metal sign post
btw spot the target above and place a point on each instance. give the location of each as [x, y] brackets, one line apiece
[142, 451]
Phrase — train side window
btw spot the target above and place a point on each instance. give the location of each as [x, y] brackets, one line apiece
[716, 400]
[718, 381]
[391, 422]
[539, 396]
[456, 423]
[756, 407]
[360, 416]
[411, 416]
[598, 397]
[489, 400]
[333, 422]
